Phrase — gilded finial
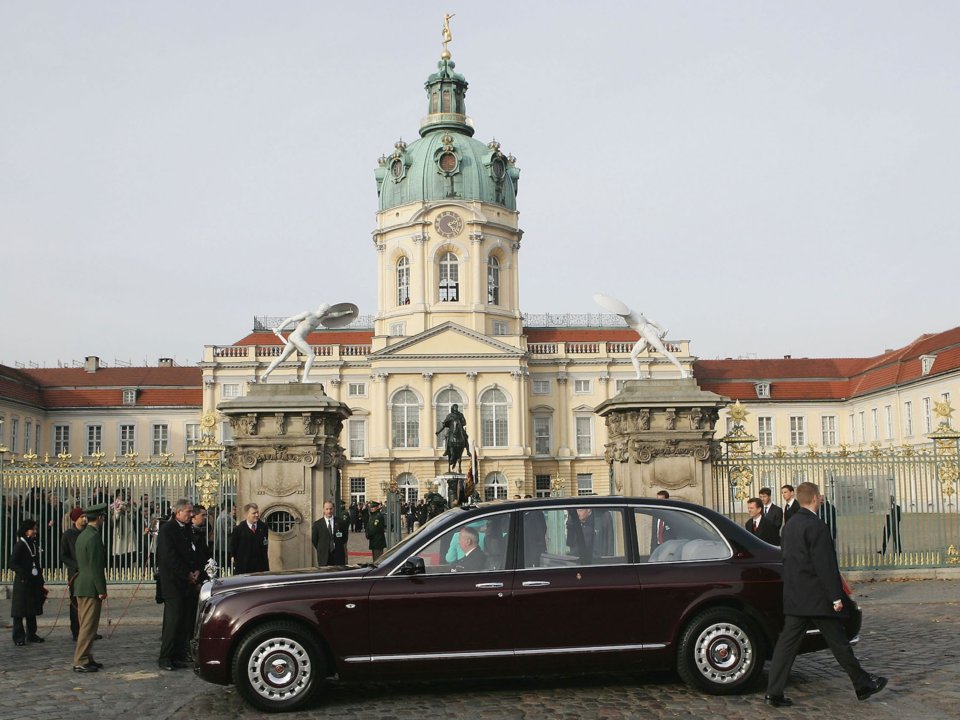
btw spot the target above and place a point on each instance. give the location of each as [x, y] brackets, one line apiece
[447, 36]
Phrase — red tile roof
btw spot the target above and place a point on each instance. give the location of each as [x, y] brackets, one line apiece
[117, 377]
[321, 337]
[16, 386]
[53, 388]
[539, 335]
[830, 379]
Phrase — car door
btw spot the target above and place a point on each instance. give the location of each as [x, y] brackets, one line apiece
[576, 591]
[454, 618]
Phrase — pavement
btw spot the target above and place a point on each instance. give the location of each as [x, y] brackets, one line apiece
[910, 634]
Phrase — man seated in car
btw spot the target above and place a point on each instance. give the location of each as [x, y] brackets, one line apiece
[473, 557]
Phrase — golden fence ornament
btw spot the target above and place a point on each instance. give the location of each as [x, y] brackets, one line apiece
[888, 507]
[138, 495]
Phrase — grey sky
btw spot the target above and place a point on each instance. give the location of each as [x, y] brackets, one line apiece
[761, 177]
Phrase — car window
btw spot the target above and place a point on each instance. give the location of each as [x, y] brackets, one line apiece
[667, 535]
[573, 536]
[471, 547]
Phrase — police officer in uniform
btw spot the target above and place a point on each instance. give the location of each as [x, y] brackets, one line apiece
[90, 587]
[376, 531]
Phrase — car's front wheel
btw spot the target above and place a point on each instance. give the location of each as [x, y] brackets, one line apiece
[278, 666]
[721, 652]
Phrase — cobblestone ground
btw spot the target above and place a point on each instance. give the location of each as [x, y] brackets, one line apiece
[910, 634]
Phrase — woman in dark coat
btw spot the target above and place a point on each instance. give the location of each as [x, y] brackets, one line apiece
[27, 584]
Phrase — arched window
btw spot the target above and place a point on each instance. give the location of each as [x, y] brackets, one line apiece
[493, 418]
[409, 487]
[403, 281]
[447, 399]
[495, 486]
[449, 278]
[493, 281]
[405, 416]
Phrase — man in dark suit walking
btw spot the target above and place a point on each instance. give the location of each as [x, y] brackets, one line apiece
[759, 525]
[771, 511]
[248, 542]
[329, 538]
[812, 594]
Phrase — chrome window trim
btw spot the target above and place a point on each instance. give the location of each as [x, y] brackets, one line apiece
[636, 506]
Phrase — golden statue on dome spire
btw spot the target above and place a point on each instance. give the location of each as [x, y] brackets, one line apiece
[447, 35]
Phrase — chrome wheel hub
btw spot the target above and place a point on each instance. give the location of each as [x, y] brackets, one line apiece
[279, 669]
[724, 653]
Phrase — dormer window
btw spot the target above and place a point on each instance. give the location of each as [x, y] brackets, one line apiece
[926, 364]
[763, 389]
[129, 396]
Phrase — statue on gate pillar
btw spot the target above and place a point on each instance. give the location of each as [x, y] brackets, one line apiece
[651, 334]
[332, 317]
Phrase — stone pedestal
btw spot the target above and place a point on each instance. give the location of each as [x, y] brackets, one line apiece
[448, 484]
[286, 448]
[660, 437]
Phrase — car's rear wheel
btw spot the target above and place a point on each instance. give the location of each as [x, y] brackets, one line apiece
[278, 666]
[721, 652]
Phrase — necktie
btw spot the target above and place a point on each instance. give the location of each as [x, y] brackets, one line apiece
[765, 509]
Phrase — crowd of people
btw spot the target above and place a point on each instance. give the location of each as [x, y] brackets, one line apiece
[130, 529]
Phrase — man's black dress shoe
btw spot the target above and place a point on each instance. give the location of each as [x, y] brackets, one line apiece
[35, 639]
[166, 665]
[182, 663]
[98, 636]
[94, 663]
[875, 685]
[20, 643]
[778, 701]
[85, 668]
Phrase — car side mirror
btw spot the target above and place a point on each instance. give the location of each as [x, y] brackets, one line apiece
[413, 566]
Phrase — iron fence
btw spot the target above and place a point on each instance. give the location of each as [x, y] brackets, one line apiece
[886, 507]
[138, 495]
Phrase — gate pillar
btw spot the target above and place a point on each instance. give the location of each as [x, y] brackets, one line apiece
[660, 437]
[287, 453]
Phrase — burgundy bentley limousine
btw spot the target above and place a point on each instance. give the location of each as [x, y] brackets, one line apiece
[505, 589]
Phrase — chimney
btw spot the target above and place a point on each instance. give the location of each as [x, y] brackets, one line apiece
[91, 363]
[165, 362]
[788, 357]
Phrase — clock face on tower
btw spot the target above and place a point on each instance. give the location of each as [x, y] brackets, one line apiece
[448, 224]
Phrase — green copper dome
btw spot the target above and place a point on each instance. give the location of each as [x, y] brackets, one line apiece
[446, 163]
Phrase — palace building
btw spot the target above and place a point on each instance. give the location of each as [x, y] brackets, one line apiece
[448, 330]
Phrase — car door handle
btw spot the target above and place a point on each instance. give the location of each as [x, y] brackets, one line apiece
[536, 583]
[489, 586]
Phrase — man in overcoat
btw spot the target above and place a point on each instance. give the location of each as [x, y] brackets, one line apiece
[90, 587]
[812, 595]
[178, 566]
[68, 556]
